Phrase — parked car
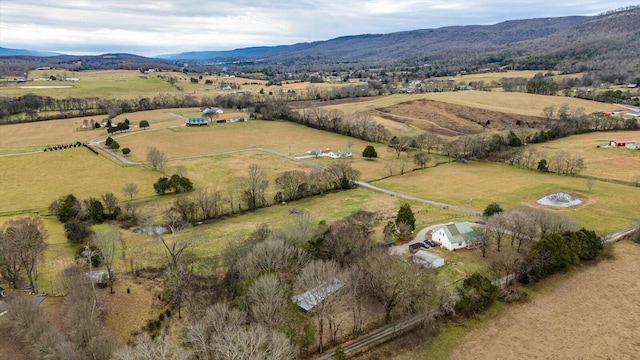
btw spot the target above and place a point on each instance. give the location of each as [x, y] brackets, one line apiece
[431, 242]
[425, 244]
[415, 247]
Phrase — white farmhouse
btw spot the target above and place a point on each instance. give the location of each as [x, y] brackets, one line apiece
[339, 154]
[456, 236]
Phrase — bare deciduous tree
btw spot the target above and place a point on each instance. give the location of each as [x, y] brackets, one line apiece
[254, 187]
[505, 265]
[496, 228]
[271, 255]
[131, 190]
[421, 159]
[344, 174]
[321, 279]
[24, 240]
[176, 244]
[291, 183]
[156, 158]
[396, 284]
[221, 333]
[146, 348]
[106, 241]
[268, 301]
[110, 204]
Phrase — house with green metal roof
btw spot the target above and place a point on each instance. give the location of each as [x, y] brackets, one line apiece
[200, 121]
[454, 236]
[339, 154]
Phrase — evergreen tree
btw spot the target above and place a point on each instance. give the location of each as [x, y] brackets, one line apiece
[369, 152]
[405, 215]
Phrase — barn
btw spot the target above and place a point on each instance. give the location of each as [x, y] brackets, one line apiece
[621, 143]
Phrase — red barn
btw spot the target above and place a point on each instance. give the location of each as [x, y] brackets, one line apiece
[621, 143]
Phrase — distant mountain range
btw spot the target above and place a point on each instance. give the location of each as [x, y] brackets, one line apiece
[13, 52]
[395, 46]
[608, 42]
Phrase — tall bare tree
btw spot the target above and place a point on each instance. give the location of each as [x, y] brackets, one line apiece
[10, 264]
[156, 158]
[496, 228]
[397, 285]
[254, 187]
[291, 183]
[107, 241]
[159, 348]
[110, 204]
[131, 190]
[28, 236]
[268, 301]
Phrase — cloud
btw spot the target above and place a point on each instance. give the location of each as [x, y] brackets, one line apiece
[168, 26]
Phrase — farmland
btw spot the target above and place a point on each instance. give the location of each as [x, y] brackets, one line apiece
[475, 185]
[218, 157]
[562, 324]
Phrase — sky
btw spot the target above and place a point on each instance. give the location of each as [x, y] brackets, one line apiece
[154, 27]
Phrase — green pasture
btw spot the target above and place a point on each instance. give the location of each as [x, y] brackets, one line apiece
[604, 163]
[33, 181]
[287, 138]
[607, 208]
[215, 235]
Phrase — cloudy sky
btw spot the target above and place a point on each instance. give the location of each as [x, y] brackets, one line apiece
[152, 27]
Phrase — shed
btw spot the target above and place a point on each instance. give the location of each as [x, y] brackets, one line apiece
[634, 146]
[454, 236]
[197, 122]
[221, 121]
[309, 299]
[428, 259]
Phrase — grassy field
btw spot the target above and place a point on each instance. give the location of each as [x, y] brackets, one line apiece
[33, 181]
[518, 103]
[476, 184]
[497, 76]
[131, 84]
[606, 163]
[287, 138]
[215, 235]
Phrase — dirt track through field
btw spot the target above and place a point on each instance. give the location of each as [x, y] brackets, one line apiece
[593, 314]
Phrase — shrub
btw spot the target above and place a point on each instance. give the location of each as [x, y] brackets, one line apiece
[126, 151]
[77, 231]
[477, 294]
[492, 209]
[109, 141]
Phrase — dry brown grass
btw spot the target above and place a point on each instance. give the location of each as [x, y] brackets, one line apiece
[592, 314]
[287, 138]
[128, 312]
[605, 163]
[517, 103]
[450, 119]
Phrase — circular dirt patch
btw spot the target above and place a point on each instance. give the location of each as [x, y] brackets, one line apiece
[559, 199]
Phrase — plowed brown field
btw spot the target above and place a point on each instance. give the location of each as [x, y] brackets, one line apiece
[451, 119]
